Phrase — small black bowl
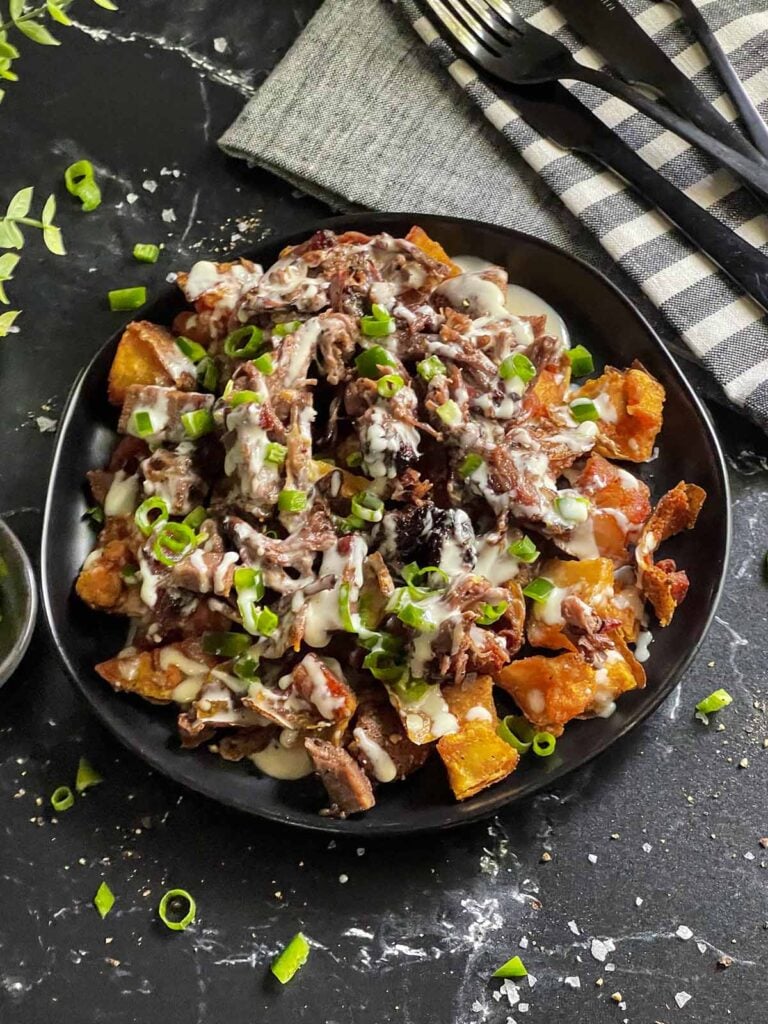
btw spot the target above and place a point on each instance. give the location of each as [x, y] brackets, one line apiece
[597, 315]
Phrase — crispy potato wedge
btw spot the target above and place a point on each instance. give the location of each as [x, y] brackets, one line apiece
[101, 583]
[632, 402]
[475, 758]
[662, 583]
[550, 691]
[620, 507]
[148, 354]
[551, 386]
[156, 674]
[590, 579]
[469, 699]
[417, 236]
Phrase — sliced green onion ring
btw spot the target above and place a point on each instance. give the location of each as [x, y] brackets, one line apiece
[470, 465]
[291, 501]
[581, 359]
[225, 645]
[141, 424]
[265, 364]
[122, 299]
[379, 324]
[524, 550]
[175, 900]
[412, 575]
[409, 689]
[249, 581]
[293, 957]
[415, 617]
[195, 519]
[81, 182]
[244, 342]
[490, 613]
[62, 798]
[517, 732]
[246, 667]
[543, 744]
[275, 453]
[368, 506]
[197, 423]
[389, 385]
[174, 542]
[584, 410]
[289, 327]
[368, 363]
[345, 609]
[244, 397]
[87, 776]
[207, 374]
[517, 365]
[141, 516]
[430, 367]
[146, 252]
[539, 589]
[191, 349]
[716, 701]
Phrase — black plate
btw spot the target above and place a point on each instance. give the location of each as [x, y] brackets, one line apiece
[598, 316]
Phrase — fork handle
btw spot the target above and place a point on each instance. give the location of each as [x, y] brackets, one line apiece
[749, 113]
[755, 172]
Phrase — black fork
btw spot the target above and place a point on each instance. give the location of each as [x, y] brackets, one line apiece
[496, 38]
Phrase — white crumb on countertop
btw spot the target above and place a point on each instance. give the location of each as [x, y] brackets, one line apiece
[523, 942]
[220, 44]
[681, 998]
[638, 901]
[343, 879]
[592, 858]
[172, 277]
[702, 947]
[531, 980]
[131, 198]
[45, 424]
[150, 185]
[600, 949]
[168, 215]
[684, 933]
[647, 847]
[510, 990]
[574, 927]
[573, 981]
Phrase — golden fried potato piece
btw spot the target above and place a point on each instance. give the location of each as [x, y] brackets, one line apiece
[550, 691]
[475, 758]
[611, 490]
[590, 579]
[101, 583]
[148, 354]
[662, 583]
[155, 674]
[472, 700]
[632, 403]
[551, 386]
[417, 236]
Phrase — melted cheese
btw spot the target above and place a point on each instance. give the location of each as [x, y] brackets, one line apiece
[382, 765]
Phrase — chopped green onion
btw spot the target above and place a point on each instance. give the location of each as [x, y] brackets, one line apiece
[354, 459]
[175, 900]
[146, 252]
[389, 385]
[513, 968]
[369, 361]
[539, 589]
[431, 367]
[121, 299]
[225, 645]
[141, 516]
[411, 573]
[207, 374]
[543, 744]
[583, 409]
[244, 342]
[409, 689]
[96, 514]
[244, 397]
[379, 324]
[384, 663]
[250, 581]
[416, 618]
[267, 622]
[87, 776]
[104, 900]
[714, 702]
[449, 413]
[191, 349]
[517, 732]
[345, 609]
[490, 613]
[275, 453]
[141, 424]
[265, 364]
[574, 509]
[293, 957]
[246, 667]
[517, 365]
[470, 465]
[174, 542]
[289, 327]
[581, 359]
[524, 550]
[198, 423]
[291, 501]
[81, 182]
[195, 519]
[368, 506]
[62, 798]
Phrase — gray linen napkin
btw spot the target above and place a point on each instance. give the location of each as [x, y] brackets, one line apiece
[359, 113]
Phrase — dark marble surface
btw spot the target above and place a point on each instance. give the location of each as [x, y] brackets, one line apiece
[661, 832]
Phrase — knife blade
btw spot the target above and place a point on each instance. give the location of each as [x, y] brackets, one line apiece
[614, 33]
[557, 115]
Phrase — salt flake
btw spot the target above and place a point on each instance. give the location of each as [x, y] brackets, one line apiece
[150, 185]
[45, 424]
[592, 858]
[510, 990]
[131, 198]
[574, 927]
[573, 982]
[168, 216]
[220, 44]
[702, 947]
[600, 949]
[524, 942]
[681, 998]
[684, 933]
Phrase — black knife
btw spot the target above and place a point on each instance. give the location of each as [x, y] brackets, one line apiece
[614, 33]
[557, 115]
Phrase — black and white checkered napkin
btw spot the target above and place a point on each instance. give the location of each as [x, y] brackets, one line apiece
[358, 113]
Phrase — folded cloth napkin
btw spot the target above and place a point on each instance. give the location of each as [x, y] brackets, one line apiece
[360, 114]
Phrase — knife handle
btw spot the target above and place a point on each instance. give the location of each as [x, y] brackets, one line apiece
[756, 126]
[740, 261]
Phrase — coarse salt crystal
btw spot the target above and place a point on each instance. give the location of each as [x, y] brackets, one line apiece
[574, 927]
[684, 933]
[681, 998]
[168, 216]
[343, 879]
[523, 1007]
[638, 901]
[509, 988]
[573, 982]
[749, 855]
[220, 44]
[592, 858]
[150, 185]
[524, 942]
[702, 947]
[531, 980]
[600, 949]
[610, 967]
[131, 198]
[647, 847]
